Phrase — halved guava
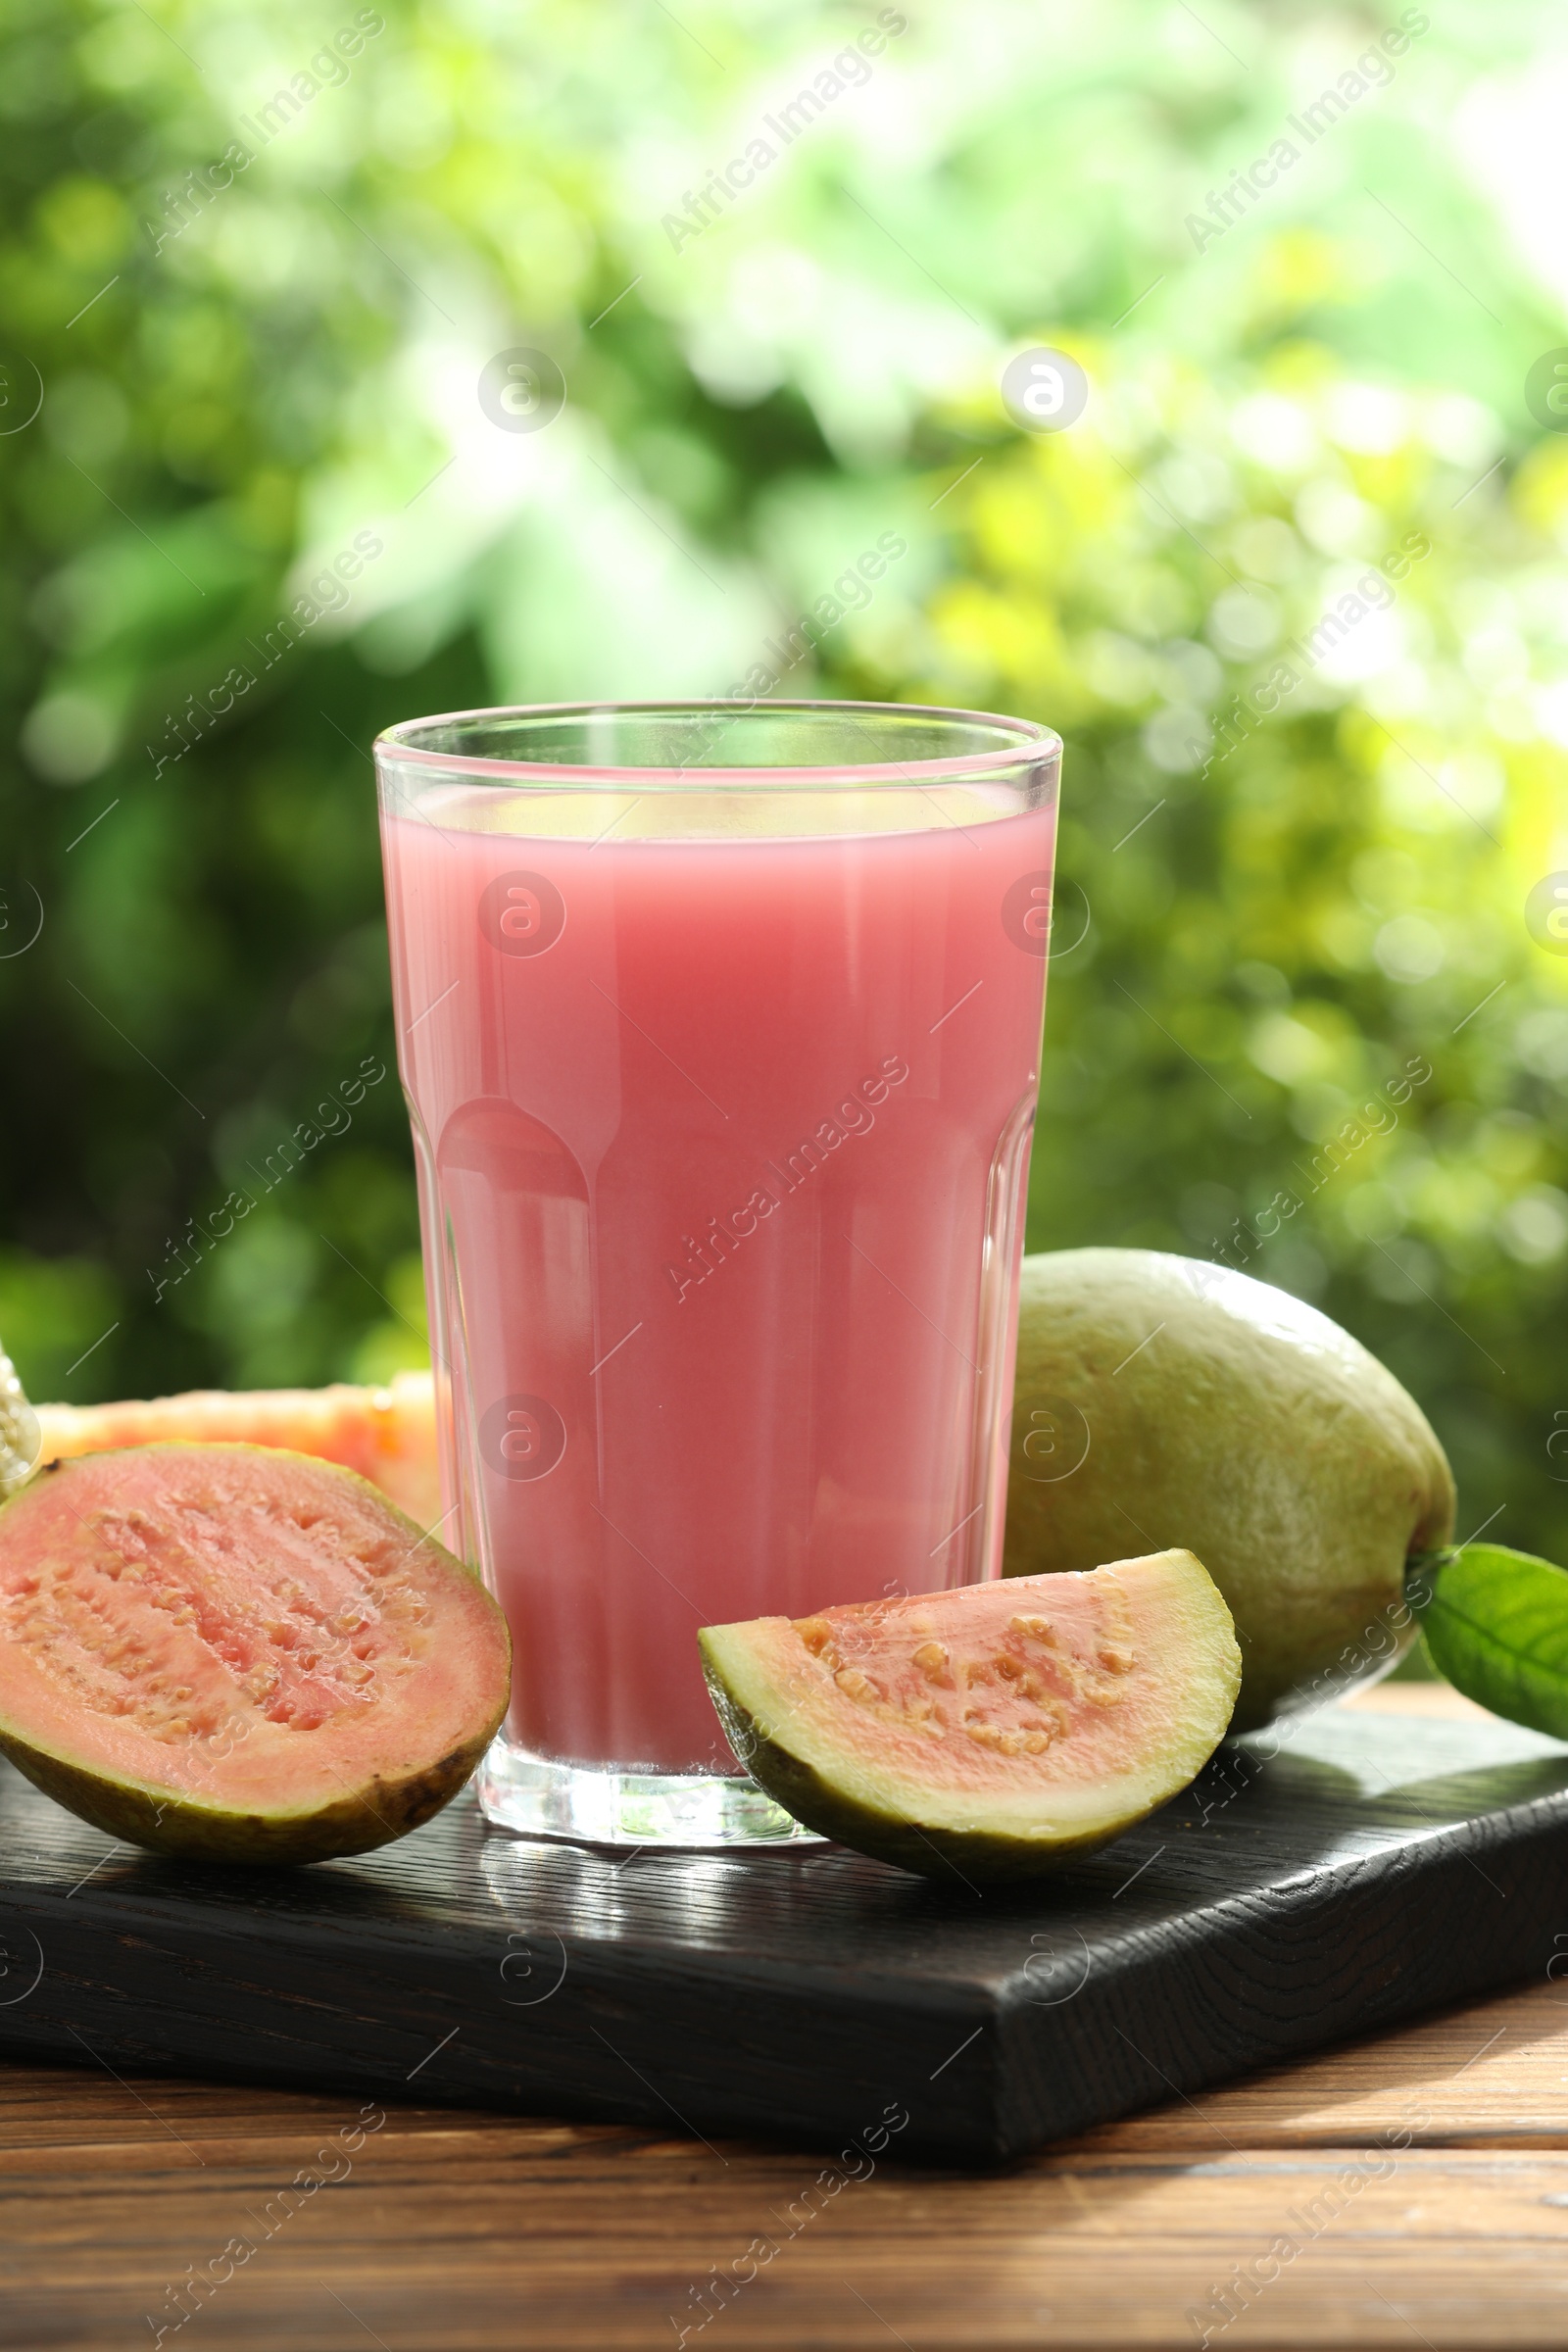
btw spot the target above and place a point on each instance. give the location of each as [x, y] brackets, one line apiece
[387, 1434]
[989, 1732]
[239, 1653]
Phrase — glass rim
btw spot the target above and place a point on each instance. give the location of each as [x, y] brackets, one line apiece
[1032, 743]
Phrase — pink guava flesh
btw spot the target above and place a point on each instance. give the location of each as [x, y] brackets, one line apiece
[239, 1651]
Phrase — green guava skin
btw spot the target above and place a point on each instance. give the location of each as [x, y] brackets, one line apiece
[1225, 1416]
[824, 1805]
[371, 1816]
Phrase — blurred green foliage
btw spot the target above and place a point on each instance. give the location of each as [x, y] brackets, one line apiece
[256, 266]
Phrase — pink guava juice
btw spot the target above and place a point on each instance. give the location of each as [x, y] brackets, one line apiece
[723, 1146]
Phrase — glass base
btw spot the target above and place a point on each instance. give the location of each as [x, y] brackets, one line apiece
[546, 1799]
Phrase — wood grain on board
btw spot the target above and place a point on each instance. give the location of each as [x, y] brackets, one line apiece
[1413, 2187]
[1346, 1871]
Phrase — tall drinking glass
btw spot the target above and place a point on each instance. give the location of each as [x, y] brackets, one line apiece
[720, 1029]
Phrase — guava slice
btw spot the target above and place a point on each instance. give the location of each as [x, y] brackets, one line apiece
[991, 1732]
[238, 1654]
[387, 1434]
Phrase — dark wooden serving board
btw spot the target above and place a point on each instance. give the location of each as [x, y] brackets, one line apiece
[1376, 1866]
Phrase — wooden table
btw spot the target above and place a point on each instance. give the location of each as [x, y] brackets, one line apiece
[1413, 2189]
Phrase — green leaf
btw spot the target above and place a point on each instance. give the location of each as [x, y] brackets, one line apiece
[1497, 1623]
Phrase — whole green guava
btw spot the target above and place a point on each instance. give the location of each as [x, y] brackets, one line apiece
[1162, 1401]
